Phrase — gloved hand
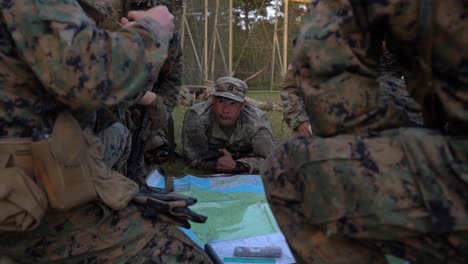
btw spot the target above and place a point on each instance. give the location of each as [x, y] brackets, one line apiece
[158, 205]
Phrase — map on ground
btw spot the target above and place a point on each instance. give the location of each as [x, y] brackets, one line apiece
[236, 206]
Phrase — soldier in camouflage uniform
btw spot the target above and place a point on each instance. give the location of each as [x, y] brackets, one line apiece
[242, 133]
[373, 184]
[116, 125]
[52, 49]
[293, 107]
[168, 87]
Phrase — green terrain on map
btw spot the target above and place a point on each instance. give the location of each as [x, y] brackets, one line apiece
[231, 215]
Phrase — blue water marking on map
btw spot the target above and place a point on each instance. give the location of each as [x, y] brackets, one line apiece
[241, 183]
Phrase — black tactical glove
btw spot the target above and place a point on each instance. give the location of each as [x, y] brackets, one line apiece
[158, 205]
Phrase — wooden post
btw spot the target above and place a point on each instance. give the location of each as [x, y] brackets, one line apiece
[274, 47]
[205, 46]
[285, 37]
[230, 38]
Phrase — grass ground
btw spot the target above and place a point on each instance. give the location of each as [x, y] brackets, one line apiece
[280, 130]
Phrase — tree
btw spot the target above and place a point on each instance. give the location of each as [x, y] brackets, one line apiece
[248, 12]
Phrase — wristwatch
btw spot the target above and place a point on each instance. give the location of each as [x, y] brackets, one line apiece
[238, 167]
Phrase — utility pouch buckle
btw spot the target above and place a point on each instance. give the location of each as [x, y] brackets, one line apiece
[59, 162]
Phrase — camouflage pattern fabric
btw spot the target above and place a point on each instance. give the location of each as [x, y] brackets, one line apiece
[117, 139]
[250, 142]
[168, 87]
[393, 90]
[117, 142]
[95, 234]
[390, 81]
[90, 75]
[51, 50]
[104, 12]
[170, 77]
[294, 113]
[365, 189]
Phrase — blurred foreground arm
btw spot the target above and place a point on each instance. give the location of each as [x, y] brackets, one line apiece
[84, 66]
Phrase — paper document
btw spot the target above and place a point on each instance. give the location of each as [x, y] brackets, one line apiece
[225, 249]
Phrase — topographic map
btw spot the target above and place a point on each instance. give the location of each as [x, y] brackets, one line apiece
[236, 206]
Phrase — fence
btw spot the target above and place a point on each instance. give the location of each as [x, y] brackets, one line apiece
[254, 51]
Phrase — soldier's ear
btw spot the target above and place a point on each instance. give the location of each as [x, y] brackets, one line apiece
[213, 99]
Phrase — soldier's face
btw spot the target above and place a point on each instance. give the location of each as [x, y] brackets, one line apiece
[227, 111]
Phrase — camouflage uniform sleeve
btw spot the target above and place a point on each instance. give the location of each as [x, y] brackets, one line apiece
[170, 77]
[81, 65]
[194, 140]
[263, 142]
[294, 112]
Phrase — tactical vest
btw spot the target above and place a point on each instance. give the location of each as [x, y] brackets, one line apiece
[54, 167]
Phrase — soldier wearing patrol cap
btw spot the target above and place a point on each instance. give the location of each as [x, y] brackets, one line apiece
[240, 133]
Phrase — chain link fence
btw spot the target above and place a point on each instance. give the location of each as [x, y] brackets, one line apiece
[257, 40]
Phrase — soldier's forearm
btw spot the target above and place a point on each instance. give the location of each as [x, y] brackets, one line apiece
[97, 67]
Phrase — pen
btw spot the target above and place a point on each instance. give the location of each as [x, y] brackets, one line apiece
[251, 260]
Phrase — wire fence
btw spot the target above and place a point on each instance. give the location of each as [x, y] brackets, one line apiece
[257, 40]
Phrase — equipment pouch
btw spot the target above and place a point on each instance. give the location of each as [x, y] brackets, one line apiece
[22, 202]
[59, 162]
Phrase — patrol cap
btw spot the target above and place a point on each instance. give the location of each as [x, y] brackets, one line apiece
[232, 88]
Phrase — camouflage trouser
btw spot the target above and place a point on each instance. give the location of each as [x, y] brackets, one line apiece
[349, 199]
[95, 234]
[117, 141]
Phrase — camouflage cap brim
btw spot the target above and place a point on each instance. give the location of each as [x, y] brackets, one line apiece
[229, 96]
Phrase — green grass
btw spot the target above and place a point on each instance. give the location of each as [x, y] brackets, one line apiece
[265, 96]
[280, 130]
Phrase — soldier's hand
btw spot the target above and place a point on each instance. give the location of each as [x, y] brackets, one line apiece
[304, 129]
[225, 163]
[148, 98]
[159, 13]
[168, 207]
